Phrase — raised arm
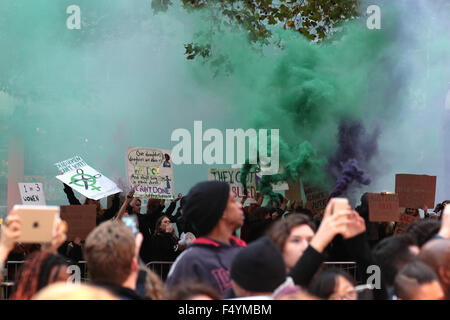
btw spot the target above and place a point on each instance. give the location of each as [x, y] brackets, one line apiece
[70, 195]
[172, 206]
[124, 206]
[312, 258]
[10, 232]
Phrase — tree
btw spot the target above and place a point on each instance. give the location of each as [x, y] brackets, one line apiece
[315, 19]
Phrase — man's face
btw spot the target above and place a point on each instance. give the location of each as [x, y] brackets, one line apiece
[233, 214]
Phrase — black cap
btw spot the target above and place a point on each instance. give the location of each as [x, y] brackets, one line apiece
[259, 267]
[204, 205]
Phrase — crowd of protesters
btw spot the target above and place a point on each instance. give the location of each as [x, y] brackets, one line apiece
[225, 250]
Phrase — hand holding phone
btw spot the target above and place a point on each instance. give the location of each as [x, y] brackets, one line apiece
[132, 223]
[340, 204]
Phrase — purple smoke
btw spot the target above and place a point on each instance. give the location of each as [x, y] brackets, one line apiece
[356, 149]
[350, 172]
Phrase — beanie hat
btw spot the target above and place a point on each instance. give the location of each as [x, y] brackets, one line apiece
[259, 267]
[205, 204]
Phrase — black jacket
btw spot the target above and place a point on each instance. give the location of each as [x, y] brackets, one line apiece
[164, 247]
[120, 292]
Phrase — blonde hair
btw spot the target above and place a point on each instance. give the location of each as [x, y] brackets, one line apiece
[109, 251]
[154, 286]
[69, 291]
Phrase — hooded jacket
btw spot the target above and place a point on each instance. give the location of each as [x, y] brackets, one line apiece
[209, 261]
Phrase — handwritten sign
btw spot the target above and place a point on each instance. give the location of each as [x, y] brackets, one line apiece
[150, 172]
[80, 220]
[70, 165]
[316, 199]
[415, 191]
[383, 207]
[87, 181]
[406, 218]
[233, 177]
[32, 193]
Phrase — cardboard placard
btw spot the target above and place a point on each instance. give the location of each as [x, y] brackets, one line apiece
[294, 193]
[316, 199]
[233, 177]
[415, 191]
[150, 172]
[406, 218]
[383, 207]
[80, 220]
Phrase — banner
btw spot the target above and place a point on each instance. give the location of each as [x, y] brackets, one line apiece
[150, 173]
[32, 193]
[80, 220]
[415, 191]
[86, 180]
[383, 207]
[406, 218]
[232, 177]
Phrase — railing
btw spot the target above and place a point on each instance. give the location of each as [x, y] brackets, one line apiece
[12, 269]
[161, 268]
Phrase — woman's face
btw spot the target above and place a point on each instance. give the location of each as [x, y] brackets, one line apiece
[343, 290]
[137, 206]
[166, 226]
[296, 243]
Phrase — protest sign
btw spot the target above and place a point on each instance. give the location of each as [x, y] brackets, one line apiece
[80, 220]
[316, 199]
[233, 177]
[280, 186]
[415, 191]
[52, 186]
[150, 172]
[86, 180]
[383, 207]
[70, 165]
[294, 192]
[408, 216]
[32, 193]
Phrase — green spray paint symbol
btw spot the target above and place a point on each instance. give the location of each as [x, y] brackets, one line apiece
[87, 179]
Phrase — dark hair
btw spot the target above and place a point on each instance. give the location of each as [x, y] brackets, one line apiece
[393, 253]
[410, 277]
[423, 230]
[280, 230]
[259, 214]
[158, 224]
[167, 156]
[39, 270]
[185, 290]
[324, 284]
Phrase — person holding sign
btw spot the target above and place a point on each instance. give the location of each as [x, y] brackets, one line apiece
[10, 233]
[102, 214]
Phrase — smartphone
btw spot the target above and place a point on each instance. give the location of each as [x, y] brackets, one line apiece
[39, 223]
[340, 204]
[132, 223]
